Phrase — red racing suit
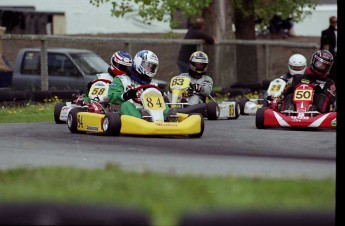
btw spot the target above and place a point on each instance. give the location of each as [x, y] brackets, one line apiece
[325, 90]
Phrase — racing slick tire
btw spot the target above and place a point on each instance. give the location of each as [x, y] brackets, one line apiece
[112, 124]
[259, 118]
[212, 110]
[237, 111]
[202, 124]
[242, 103]
[57, 111]
[72, 120]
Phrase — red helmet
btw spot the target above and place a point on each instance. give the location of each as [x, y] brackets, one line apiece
[321, 62]
[119, 61]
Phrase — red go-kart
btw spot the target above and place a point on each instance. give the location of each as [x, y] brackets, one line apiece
[273, 116]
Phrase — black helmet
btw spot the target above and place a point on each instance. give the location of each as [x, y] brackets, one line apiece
[198, 63]
[321, 62]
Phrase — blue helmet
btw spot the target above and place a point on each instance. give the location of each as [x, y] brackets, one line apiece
[120, 61]
[146, 64]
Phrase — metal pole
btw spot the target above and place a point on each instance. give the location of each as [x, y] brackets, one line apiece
[44, 66]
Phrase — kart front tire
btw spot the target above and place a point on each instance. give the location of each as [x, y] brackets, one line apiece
[212, 109]
[72, 120]
[242, 103]
[112, 124]
[57, 112]
[202, 126]
[259, 118]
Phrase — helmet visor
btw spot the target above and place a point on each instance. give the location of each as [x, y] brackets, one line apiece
[149, 66]
[297, 68]
[322, 66]
[200, 67]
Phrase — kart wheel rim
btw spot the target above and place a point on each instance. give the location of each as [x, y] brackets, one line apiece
[69, 121]
[105, 124]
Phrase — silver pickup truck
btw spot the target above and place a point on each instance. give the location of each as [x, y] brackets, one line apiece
[68, 69]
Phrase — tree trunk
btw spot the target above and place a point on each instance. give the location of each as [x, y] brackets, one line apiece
[246, 55]
[218, 18]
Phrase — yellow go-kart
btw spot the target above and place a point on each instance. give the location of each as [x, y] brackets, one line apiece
[81, 120]
[178, 98]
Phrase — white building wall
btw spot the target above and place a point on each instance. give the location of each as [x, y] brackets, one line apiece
[318, 21]
[82, 17]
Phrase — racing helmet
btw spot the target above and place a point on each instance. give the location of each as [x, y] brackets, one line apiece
[321, 62]
[297, 64]
[146, 64]
[198, 63]
[120, 61]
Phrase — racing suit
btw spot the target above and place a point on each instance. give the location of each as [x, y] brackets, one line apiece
[199, 88]
[325, 90]
[121, 85]
[107, 76]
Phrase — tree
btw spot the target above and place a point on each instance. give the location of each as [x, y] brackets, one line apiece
[220, 16]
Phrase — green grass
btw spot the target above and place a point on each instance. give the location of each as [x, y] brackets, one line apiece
[43, 112]
[165, 197]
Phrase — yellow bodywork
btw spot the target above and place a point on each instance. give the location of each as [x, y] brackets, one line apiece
[90, 122]
[186, 125]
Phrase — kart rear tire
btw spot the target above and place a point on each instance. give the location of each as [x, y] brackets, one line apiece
[57, 112]
[72, 120]
[212, 110]
[237, 111]
[112, 124]
[259, 118]
[202, 125]
[242, 103]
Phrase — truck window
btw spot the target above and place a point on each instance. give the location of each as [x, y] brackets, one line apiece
[61, 65]
[31, 63]
[90, 63]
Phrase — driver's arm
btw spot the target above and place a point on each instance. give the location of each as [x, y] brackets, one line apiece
[115, 92]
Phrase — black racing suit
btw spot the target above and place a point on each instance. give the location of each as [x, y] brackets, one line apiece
[325, 90]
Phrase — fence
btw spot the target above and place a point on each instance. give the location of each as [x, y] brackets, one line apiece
[272, 55]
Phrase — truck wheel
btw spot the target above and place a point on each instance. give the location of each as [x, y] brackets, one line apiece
[57, 112]
[202, 126]
[112, 124]
[72, 120]
[212, 111]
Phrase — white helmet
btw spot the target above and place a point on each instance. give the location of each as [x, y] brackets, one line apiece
[146, 63]
[297, 64]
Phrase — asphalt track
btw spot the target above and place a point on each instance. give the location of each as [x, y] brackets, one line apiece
[227, 147]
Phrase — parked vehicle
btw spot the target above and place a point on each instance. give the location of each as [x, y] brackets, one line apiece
[68, 69]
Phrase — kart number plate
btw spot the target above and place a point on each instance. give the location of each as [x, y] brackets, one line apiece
[275, 88]
[303, 95]
[153, 101]
[98, 90]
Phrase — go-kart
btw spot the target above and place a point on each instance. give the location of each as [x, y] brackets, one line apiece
[178, 98]
[98, 91]
[300, 117]
[249, 106]
[114, 124]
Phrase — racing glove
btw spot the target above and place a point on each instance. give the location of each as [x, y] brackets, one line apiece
[195, 88]
[318, 88]
[131, 93]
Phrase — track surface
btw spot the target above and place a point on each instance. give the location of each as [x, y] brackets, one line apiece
[227, 147]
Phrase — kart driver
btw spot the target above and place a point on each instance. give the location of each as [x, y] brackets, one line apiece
[122, 90]
[316, 74]
[200, 83]
[297, 64]
[119, 63]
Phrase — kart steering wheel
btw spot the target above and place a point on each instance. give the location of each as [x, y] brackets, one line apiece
[143, 87]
